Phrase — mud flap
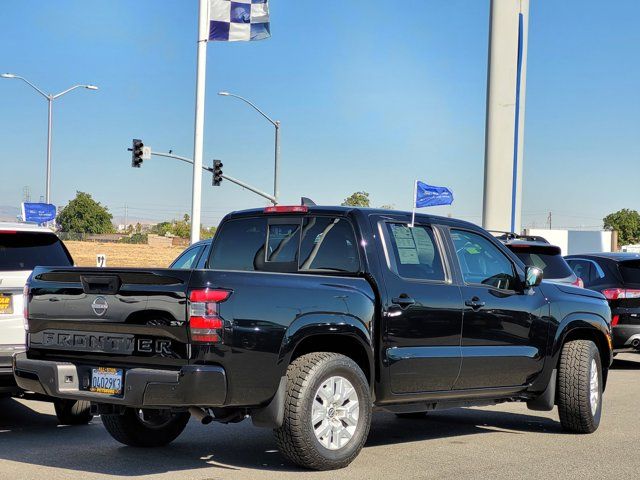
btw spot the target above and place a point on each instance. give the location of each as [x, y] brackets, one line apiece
[272, 415]
[547, 399]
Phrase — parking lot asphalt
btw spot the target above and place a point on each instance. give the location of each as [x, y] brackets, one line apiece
[503, 441]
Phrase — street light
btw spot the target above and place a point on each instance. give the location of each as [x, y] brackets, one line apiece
[50, 98]
[276, 124]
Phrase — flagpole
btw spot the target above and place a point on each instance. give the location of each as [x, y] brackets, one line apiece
[415, 194]
[198, 134]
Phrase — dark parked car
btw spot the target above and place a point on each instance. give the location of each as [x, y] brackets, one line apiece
[537, 252]
[304, 319]
[617, 277]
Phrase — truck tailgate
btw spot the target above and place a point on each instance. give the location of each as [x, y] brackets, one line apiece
[128, 316]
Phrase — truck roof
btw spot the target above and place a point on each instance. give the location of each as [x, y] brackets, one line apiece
[343, 211]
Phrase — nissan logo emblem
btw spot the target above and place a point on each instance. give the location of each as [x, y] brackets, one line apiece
[100, 306]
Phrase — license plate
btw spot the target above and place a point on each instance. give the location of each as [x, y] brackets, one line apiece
[6, 306]
[106, 380]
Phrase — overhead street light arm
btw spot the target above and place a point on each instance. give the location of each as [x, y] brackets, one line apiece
[11, 75]
[88, 87]
[254, 106]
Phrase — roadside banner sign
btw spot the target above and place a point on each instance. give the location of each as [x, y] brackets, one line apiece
[38, 212]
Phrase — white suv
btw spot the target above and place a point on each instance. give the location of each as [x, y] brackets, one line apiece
[23, 246]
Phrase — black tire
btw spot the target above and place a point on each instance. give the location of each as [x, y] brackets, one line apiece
[72, 412]
[577, 360]
[159, 428]
[296, 437]
[412, 415]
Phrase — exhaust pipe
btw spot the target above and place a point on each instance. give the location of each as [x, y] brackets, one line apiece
[201, 415]
[636, 343]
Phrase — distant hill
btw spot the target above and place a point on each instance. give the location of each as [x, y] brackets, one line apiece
[9, 214]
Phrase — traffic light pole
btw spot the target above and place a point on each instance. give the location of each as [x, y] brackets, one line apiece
[240, 183]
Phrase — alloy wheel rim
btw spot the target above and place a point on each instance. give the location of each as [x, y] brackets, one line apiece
[335, 412]
[594, 387]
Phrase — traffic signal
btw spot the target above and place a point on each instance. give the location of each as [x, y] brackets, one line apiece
[136, 153]
[217, 173]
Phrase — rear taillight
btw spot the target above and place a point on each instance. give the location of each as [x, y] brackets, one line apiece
[620, 293]
[205, 324]
[614, 320]
[25, 306]
[578, 283]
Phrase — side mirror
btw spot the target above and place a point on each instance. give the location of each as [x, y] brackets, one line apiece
[533, 277]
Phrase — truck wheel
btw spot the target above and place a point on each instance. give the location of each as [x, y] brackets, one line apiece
[72, 412]
[580, 387]
[327, 411]
[145, 427]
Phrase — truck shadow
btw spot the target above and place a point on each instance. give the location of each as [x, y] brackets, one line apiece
[626, 363]
[29, 437]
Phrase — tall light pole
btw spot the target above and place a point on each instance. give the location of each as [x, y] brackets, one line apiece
[276, 124]
[504, 136]
[50, 98]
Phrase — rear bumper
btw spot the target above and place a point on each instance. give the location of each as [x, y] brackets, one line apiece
[192, 385]
[624, 337]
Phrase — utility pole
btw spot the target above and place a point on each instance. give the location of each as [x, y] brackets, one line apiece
[504, 136]
[198, 130]
[126, 217]
[549, 220]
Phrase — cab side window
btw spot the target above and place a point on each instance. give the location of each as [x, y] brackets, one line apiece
[482, 262]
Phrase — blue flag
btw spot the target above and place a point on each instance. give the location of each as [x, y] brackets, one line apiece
[430, 196]
[38, 212]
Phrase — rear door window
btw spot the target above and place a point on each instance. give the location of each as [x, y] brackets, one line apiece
[328, 244]
[414, 251]
[26, 250]
[630, 271]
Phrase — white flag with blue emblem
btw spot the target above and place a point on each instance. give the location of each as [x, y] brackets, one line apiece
[238, 20]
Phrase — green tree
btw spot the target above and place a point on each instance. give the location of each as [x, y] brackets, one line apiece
[627, 223]
[84, 215]
[181, 228]
[357, 199]
[207, 232]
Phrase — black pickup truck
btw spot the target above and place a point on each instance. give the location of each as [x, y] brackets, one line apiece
[306, 319]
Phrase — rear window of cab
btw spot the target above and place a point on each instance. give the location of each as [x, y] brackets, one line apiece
[286, 244]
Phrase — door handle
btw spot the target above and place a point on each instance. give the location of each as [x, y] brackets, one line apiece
[403, 300]
[475, 303]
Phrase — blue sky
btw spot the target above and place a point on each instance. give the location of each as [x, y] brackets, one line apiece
[369, 98]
